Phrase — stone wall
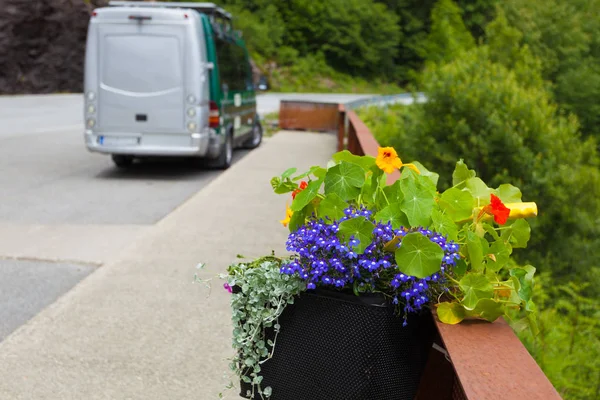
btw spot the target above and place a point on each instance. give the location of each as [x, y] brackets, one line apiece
[42, 45]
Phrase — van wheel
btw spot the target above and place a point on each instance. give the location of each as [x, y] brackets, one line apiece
[122, 161]
[256, 138]
[226, 155]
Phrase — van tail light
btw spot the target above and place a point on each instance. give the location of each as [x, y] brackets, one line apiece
[213, 115]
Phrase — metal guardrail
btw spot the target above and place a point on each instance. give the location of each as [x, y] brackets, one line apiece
[381, 101]
[323, 116]
[345, 140]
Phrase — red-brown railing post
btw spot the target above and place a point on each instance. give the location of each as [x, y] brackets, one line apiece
[341, 136]
[353, 143]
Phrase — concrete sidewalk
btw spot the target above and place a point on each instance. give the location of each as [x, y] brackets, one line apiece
[137, 328]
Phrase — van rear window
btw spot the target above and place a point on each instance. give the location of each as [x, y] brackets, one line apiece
[141, 64]
[234, 69]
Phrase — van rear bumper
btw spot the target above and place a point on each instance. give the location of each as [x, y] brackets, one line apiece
[168, 144]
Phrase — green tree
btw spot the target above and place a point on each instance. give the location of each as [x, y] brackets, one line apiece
[448, 36]
[355, 36]
[414, 17]
[578, 89]
[477, 14]
[564, 36]
[263, 31]
[415, 23]
[554, 30]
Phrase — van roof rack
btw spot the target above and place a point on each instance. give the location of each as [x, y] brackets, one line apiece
[210, 9]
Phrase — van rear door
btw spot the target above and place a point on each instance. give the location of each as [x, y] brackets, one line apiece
[141, 73]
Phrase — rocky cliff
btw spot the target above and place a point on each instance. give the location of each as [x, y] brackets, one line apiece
[42, 44]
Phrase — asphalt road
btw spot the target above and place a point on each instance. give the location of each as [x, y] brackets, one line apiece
[48, 177]
[65, 211]
[29, 286]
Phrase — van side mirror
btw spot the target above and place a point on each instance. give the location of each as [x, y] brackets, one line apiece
[262, 84]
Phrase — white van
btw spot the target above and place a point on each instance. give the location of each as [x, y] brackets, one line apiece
[167, 79]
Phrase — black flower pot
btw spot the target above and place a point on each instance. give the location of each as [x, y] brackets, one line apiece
[335, 346]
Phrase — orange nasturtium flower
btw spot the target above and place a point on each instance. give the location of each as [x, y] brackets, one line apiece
[388, 160]
[303, 185]
[497, 209]
[288, 216]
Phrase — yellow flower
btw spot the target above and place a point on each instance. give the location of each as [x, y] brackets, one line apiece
[388, 160]
[288, 216]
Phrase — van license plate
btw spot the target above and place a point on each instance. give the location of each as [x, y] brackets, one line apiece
[117, 141]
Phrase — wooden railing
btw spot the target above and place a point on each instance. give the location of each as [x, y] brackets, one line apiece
[474, 360]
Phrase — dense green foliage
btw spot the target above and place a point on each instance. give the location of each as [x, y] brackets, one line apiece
[340, 45]
[381, 45]
[448, 36]
[564, 36]
[567, 346]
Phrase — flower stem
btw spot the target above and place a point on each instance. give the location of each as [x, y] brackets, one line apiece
[385, 197]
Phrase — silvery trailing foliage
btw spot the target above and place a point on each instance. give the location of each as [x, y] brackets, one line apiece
[260, 294]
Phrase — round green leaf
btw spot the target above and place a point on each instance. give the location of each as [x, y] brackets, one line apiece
[418, 256]
[317, 171]
[417, 203]
[394, 214]
[299, 217]
[344, 180]
[369, 192]
[450, 313]
[489, 310]
[517, 234]
[332, 206]
[288, 172]
[476, 248]
[426, 173]
[461, 175]
[509, 193]
[444, 224]
[479, 190]
[458, 204]
[307, 195]
[460, 268]
[360, 228]
[393, 193]
[501, 254]
[365, 162]
[476, 287]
